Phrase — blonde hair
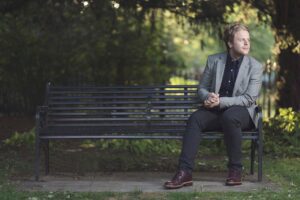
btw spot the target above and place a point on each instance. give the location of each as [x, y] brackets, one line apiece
[231, 30]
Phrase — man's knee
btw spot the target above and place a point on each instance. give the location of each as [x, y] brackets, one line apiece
[195, 120]
[229, 119]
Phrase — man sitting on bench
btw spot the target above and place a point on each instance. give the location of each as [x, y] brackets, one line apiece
[228, 90]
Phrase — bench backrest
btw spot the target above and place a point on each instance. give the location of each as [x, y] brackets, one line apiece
[147, 109]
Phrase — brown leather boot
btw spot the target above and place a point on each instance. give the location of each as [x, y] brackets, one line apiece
[181, 178]
[234, 177]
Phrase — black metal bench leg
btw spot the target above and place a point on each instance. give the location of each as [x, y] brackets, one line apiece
[260, 150]
[46, 151]
[37, 158]
[252, 156]
[260, 160]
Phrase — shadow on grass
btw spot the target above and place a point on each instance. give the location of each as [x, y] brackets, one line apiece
[71, 157]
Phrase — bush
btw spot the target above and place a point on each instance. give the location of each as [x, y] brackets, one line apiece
[138, 147]
[21, 139]
[282, 133]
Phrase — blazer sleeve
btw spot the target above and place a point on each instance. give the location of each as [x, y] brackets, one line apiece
[249, 97]
[206, 81]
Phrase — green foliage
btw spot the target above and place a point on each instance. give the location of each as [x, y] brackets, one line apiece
[176, 80]
[21, 139]
[282, 133]
[69, 43]
[109, 43]
[138, 147]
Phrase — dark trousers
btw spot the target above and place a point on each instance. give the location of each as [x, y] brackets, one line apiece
[231, 121]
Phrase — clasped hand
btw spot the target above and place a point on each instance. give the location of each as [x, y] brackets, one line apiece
[213, 100]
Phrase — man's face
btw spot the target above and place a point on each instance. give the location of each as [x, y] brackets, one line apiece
[241, 44]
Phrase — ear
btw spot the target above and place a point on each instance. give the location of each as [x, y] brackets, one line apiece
[229, 44]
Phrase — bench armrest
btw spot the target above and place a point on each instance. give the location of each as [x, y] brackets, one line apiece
[40, 117]
[258, 111]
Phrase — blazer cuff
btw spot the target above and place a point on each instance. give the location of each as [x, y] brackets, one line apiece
[203, 95]
[222, 103]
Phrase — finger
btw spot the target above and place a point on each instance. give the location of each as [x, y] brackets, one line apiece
[215, 95]
[211, 94]
[213, 99]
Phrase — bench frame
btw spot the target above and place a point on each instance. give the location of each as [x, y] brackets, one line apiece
[42, 141]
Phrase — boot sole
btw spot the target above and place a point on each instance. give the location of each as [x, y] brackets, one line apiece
[189, 183]
[233, 183]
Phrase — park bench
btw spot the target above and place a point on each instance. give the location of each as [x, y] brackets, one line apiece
[125, 112]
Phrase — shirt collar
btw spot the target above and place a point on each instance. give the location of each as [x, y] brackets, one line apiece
[230, 60]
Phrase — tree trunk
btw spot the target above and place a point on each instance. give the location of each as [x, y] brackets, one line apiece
[289, 79]
[286, 22]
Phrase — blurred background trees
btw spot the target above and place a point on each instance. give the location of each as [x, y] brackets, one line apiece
[130, 42]
[285, 21]
[75, 42]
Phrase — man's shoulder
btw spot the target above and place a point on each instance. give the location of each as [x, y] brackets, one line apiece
[217, 56]
[254, 62]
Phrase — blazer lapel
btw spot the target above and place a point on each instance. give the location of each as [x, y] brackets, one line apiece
[243, 69]
[220, 71]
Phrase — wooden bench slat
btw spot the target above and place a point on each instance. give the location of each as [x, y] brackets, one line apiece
[117, 92]
[112, 130]
[95, 108]
[120, 87]
[117, 119]
[119, 97]
[131, 137]
[79, 103]
[116, 124]
[100, 114]
[117, 130]
[122, 108]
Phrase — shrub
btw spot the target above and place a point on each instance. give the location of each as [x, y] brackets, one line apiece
[282, 133]
[139, 147]
[21, 139]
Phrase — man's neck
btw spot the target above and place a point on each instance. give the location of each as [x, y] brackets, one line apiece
[234, 56]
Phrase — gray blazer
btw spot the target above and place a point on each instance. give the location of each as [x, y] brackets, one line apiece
[247, 86]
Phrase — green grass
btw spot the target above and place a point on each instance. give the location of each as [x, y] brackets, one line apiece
[285, 172]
